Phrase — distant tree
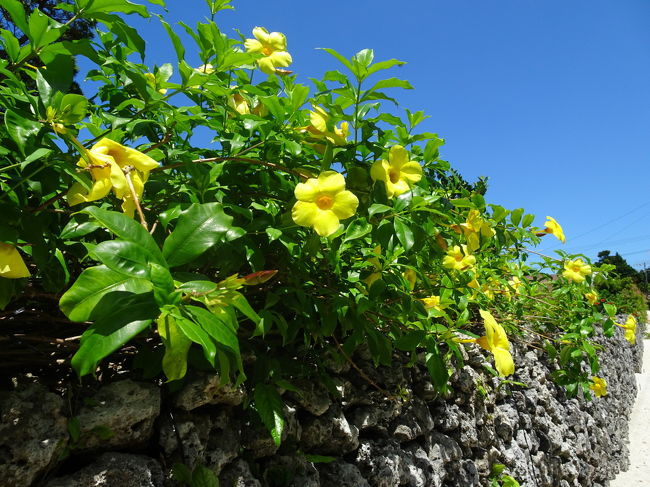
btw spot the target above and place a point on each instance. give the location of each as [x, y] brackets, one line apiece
[623, 269]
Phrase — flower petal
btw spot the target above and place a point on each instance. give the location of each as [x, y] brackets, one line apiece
[398, 156]
[12, 265]
[277, 40]
[379, 170]
[266, 65]
[411, 171]
[503, 361]
[261, 34]
[345, 204]
[397, 188]
[306, 191]
[281, 59]
[331, 182]
[304, 213]
[253, 45]
[326, 223]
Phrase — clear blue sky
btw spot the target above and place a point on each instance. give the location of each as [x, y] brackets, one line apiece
[549, 99]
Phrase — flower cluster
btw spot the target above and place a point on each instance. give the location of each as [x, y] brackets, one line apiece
[273, 45]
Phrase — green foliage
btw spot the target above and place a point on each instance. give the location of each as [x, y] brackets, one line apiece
[221, 267]
[625, 295]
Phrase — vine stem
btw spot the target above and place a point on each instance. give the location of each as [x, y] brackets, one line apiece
[127, 173]
[363, 374]
[247, 160]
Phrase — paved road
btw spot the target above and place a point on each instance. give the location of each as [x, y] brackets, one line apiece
[639, 472]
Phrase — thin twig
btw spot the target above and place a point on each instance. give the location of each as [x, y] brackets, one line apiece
[134, 195]
[247, 160]
[363, 374]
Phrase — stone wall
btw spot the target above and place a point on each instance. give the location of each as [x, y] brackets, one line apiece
[128, 434]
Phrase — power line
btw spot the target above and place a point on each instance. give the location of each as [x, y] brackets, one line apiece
[611, 221]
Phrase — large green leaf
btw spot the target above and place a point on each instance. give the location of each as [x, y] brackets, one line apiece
[198, 335]
[198, 229]
[174, 362]
[81, 299]
[20, 128]
[90, 7]
[217, 329]
[119, 316]
[17, 13]
[126, 228]
[123, 256]
[269, 406]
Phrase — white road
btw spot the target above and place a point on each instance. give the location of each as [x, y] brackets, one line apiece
[639, 472]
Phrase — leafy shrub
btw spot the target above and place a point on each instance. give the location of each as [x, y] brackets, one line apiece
[312, 223]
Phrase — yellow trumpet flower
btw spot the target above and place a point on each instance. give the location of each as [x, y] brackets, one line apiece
[274, 47]
[322, 202]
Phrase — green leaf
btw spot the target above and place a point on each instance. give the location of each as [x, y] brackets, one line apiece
[528, 220]
[198, 335]
[378, 208]
[404, 233]
[610, 309]
[34, 156]
[268, 404]
[391, 83]
[113, 327]
[357, 229]
[198, 229]
[72, 109]
[123, 256]
[338, 56]
[381, 65]
[17, 13]
[127, 229]
[91, 7]
[7, 291]
[515, 216]
[80, 300]
[20, 128]
[437, 369]
[176, 41]
[41, 31]
[204, 477]
[217, 329]
[410, 341]
[174, 362]
[11, 45]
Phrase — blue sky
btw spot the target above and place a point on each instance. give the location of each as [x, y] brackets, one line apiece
[549, 99]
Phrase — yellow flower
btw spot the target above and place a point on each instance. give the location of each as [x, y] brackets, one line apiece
[599, 386]
[515, 283]
[322, 202]
[108, 162]
[151, 81]
[576, 270]
[630, 329]
[12, 265]
[274, 47]
[321, 128]
[239, 104]
[473, 228]
[496, 342]
[397, 173]
[411, 278]
[553, 228]
[591, 297]
[458, 259]
[433, 302]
